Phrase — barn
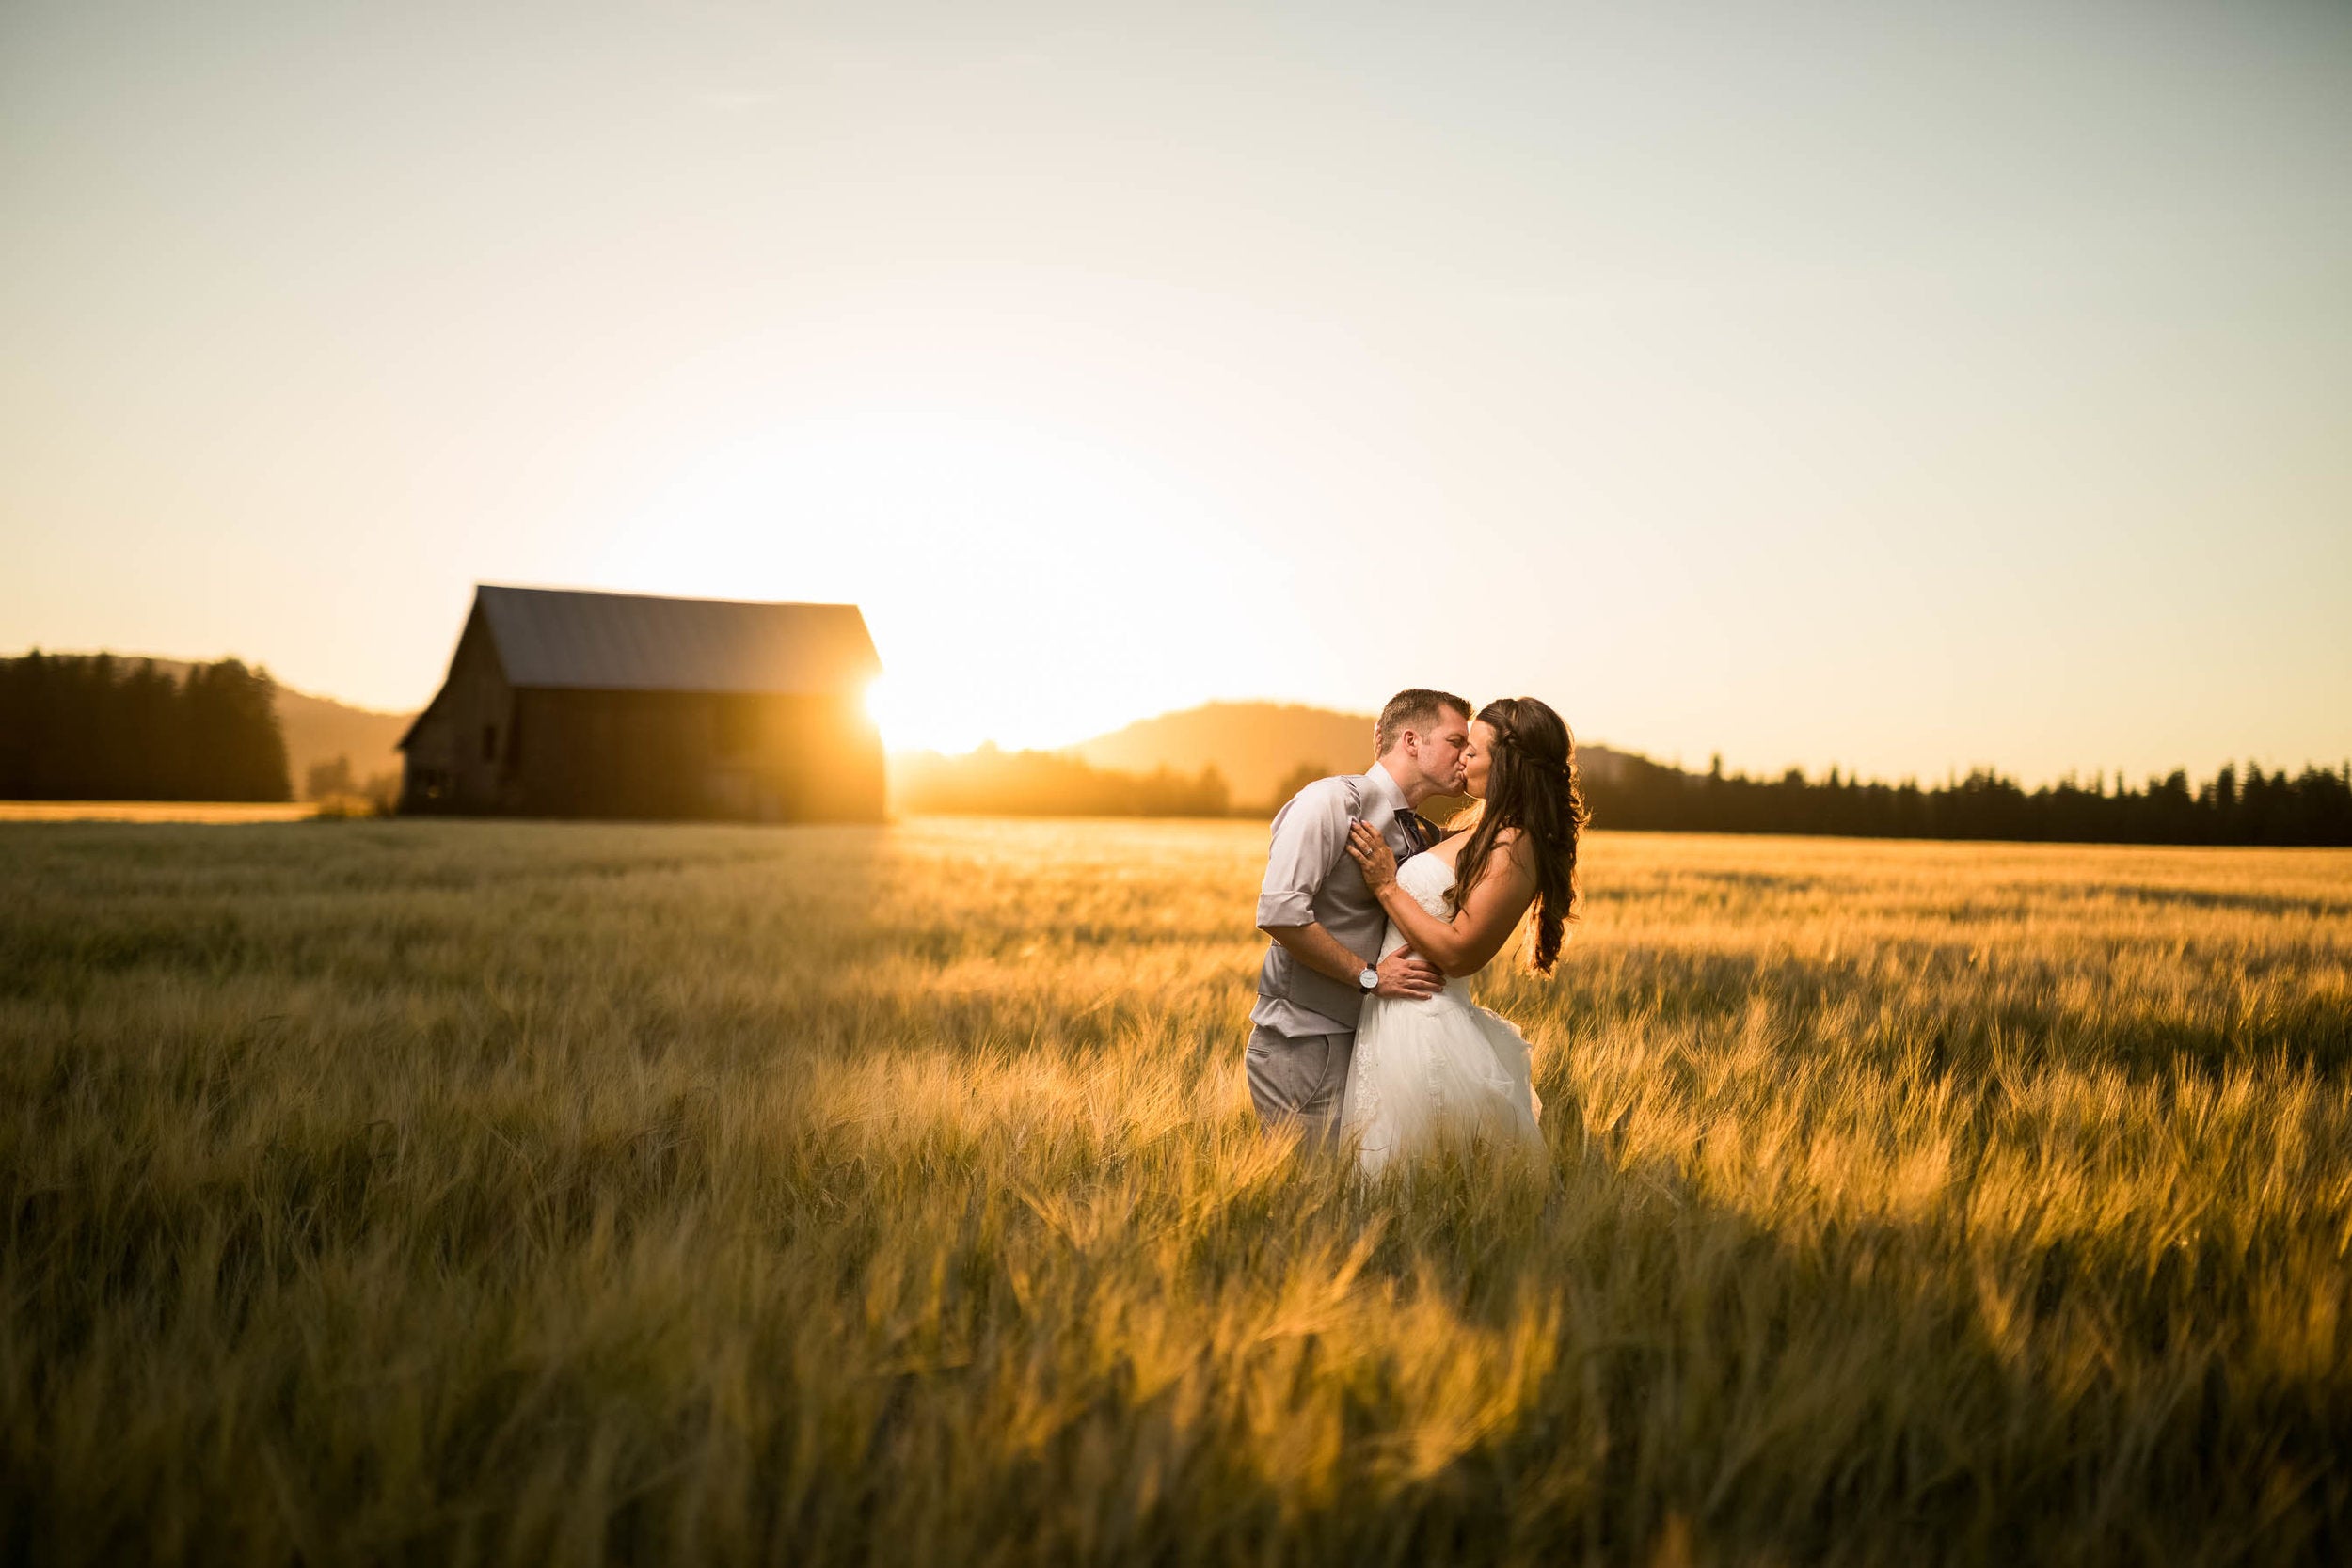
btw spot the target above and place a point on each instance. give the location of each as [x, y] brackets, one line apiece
[561, 703]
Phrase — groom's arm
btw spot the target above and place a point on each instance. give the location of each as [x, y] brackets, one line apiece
[1403, 972]
[1309, 837]
[1319, 950]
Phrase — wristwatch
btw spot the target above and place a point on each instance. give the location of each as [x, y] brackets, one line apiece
[1369, 979]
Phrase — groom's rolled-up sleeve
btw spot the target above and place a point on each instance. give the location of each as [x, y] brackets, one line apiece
[1309, 834]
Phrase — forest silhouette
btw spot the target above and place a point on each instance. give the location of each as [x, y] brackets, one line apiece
[2231, 807]
[1631, 792]
[94, 727]
[97, 727]
[993, 782]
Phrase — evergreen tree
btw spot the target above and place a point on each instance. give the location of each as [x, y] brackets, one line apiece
[93, 729]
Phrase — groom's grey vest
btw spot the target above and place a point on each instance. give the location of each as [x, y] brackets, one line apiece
[1340, 902]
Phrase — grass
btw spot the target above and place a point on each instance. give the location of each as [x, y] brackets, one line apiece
[470, 1193]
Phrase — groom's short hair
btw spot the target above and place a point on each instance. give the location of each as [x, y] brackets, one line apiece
[1417, 709]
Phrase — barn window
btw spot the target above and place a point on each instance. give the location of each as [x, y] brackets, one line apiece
[489, 743]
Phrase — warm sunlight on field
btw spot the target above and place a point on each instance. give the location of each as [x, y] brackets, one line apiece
[459, 1191]
[216, 812]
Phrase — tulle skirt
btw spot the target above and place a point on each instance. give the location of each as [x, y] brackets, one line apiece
[1434, 1072]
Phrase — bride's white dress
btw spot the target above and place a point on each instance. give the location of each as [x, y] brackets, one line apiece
[1435, 1070]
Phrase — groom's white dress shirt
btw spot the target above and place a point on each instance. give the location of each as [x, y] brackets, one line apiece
[1310, 876]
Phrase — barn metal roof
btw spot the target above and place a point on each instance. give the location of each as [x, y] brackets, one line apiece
[550, 637]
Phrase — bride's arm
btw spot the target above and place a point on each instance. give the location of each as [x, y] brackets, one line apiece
[1470, 940]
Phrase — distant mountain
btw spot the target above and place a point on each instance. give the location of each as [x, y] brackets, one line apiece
[1257, 746]
[320, 729]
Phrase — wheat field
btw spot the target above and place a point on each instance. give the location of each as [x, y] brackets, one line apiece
[448, 1192]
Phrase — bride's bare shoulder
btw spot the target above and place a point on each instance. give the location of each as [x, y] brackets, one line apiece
[1511, 846]
[1515, 841]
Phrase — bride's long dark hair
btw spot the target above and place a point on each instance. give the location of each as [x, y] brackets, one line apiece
[1531, 786]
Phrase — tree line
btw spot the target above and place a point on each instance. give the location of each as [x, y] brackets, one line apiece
[94, 727]
[1628, 791]
[2231, 807]
[993, 782]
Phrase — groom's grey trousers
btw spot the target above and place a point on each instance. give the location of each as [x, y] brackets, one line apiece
[1299, 1076]
[1304, 1033]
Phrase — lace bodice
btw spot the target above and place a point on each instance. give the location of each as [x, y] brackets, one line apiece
[1427, 879]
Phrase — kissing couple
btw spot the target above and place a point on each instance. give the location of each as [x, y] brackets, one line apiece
[1364, 1032]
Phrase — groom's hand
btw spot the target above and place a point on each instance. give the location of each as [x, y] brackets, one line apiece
[1405, 974]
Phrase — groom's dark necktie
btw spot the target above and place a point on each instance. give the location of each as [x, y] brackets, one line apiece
[1419, 831]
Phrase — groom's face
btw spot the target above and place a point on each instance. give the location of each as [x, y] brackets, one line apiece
[1437, 755]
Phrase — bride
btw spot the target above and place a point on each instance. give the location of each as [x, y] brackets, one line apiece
[1440, 1069]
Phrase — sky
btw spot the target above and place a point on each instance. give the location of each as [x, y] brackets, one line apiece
[1904, 386]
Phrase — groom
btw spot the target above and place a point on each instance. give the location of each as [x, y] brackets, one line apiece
[1326, 925]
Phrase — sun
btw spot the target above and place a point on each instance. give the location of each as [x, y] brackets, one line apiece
[882, 708]
[913, 720]
[1024, 584]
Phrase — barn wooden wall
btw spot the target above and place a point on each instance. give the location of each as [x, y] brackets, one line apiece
[486, 748]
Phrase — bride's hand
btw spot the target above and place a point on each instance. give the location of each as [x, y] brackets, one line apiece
[1369, 850]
